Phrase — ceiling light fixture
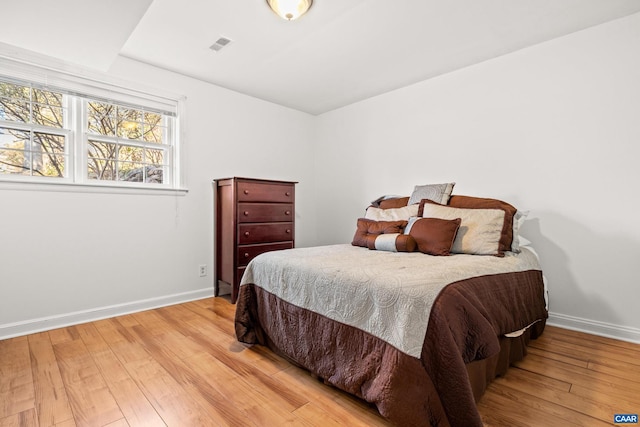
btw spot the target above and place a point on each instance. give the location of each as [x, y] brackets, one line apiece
[290, 9]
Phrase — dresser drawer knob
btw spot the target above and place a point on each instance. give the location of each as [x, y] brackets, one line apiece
[287, 212]
[288, 231]
[246, 191]
[287, 194]
[246, 254]
[246, 213]
[246, 233]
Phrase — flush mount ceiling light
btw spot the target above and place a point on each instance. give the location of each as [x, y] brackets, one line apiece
[290, 9]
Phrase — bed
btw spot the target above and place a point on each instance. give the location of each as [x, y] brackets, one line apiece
[419, 336]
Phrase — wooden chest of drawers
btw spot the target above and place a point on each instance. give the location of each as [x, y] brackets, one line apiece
[252, 216]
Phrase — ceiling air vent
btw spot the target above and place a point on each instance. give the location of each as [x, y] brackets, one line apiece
[219, 44]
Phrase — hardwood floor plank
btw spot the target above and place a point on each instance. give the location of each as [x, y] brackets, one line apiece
[500, 410]
[51, 401]
[595, 408]
[16, 380]
[598, 382]
[172, 402]
[578, 349]
[549, 351]
[312, 415]
[132, 402]
[90, 398]
[62, 335]
[576, 336]
[329, 399]
[516, 376]
[621, 403]
[27, 418]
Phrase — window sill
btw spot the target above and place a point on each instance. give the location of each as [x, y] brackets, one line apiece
[73, 187]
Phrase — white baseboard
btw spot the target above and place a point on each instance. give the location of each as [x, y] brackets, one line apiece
[31, 326]
[595, 327]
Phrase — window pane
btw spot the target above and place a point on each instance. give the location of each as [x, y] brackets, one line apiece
[101, 162]
[14, 91]
[154, 157]
[14, 138]
[47, 115]
[153, 128]
[50, 165]
[48, 143]
[48, 154]
[13, 162]
[101, 169]
[47, 108]
[101, 118]
[133, 172]
[14, 110]
[132, 154]
[102, 150]
[155, 175]
[129, 123]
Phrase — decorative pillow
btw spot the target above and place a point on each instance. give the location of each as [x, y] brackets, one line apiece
[395, 214]
[369, 229]
[480, 231]
[394, 242]
[390, 201]
[396, 202]
[433, 236]
[439, 193]
[518, 220]
[469, 202]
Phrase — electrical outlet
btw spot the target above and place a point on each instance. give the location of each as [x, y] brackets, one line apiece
[203, 270]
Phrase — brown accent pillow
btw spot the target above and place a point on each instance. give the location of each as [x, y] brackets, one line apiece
[367, 229]
[392, 242]
[469, 202]
[399, 202]
[434, 236]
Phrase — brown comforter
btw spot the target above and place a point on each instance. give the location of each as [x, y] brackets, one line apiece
[467, 323]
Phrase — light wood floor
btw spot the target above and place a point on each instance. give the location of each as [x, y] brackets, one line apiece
[181, 366]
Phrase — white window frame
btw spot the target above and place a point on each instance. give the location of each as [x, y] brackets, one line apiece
[77, 91]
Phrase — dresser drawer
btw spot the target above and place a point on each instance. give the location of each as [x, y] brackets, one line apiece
[265, 212]
[265, 233]
[265, 192]
[249, 252]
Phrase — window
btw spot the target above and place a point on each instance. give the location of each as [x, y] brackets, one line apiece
[126, 144]
[57, 135]
[34, 132]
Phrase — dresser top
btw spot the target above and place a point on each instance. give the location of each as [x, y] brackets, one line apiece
[273, 181]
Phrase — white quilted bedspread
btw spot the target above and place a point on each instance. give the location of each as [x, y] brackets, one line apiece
[386, 294]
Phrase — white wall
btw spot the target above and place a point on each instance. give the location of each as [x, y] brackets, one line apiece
[70, 256]
[554, 129]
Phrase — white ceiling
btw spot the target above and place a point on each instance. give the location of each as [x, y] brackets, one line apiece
[340, 52]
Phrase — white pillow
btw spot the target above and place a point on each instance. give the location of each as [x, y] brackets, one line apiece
[518, 220]
[480, 229]
[439, 193]
[395, 214]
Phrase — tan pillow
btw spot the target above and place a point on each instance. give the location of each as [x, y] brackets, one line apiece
[480, 230]
[368, 229]
[433, 236]
[468, 202]
[394, 214]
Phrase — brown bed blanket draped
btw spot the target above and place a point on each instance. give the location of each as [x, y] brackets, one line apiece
[466, 328]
